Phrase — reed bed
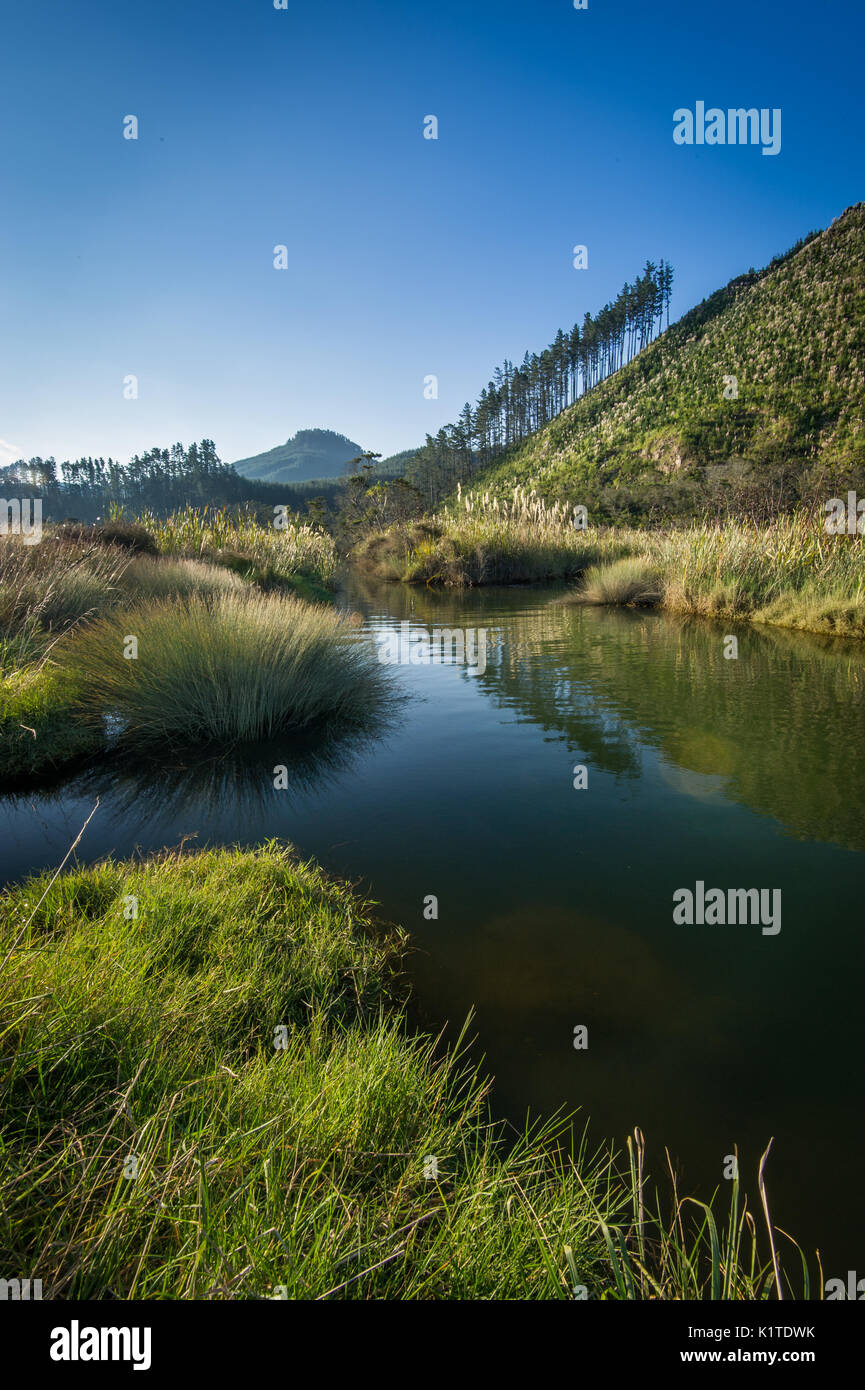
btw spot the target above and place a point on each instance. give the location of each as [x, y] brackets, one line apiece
[483, 540]
[791, 574]
[208, 532]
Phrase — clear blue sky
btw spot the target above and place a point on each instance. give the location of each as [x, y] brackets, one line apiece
[407, 256]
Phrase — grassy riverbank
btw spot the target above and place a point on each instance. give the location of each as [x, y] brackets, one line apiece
[486, 542]
[228, 645]
[790, 574]
[300, 557]
[209, 1091]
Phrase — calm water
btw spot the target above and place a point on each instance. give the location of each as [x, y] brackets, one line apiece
[555, 905]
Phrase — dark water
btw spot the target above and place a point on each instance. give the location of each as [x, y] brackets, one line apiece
[555, 905]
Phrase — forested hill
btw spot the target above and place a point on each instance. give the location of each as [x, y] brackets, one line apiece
[766, 378]
[308, 454]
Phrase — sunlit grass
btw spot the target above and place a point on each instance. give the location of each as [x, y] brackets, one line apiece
[791, 573]
[258, 1166]
[147, 578]
[39, 729]
[46, 587]
[282, 552]
[629, 581]
[240, 667]
[484, 541]
[209, 1091]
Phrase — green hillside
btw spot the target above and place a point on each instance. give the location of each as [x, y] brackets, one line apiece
[308, 454]
[395, 465]
[793, 336]
[313, 455]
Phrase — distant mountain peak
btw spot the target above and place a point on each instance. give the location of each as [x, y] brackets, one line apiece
[307, 455]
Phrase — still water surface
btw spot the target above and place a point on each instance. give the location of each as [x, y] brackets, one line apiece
[556, 905]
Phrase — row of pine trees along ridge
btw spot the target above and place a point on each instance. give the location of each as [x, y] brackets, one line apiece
[520, 400]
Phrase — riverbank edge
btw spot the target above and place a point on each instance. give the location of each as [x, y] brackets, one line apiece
[228, 1026]
[734, 574]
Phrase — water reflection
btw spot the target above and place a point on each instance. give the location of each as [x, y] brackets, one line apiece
[556, 905]
[779, 730]
[251, 779]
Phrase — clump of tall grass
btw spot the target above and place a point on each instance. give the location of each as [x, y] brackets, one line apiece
[62, 581]
[207, 532]
[630, 581]
[791, 573]
[239, 667]
[147, 578]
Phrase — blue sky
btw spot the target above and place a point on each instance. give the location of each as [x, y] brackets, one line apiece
[407, 256]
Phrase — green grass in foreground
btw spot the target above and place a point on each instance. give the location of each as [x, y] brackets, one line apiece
[155, 1142]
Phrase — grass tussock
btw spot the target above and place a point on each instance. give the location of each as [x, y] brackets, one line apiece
[48, 586]
[244, 666]
[631, 581]
[147, 578]
[209, 1091]
[247, 669]
[65, 581]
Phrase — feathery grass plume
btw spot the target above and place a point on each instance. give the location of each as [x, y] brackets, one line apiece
[487, 541]
[791, 574]
[242, 666]
[294, 549]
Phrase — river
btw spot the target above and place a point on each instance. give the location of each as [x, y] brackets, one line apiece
[555, 904]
